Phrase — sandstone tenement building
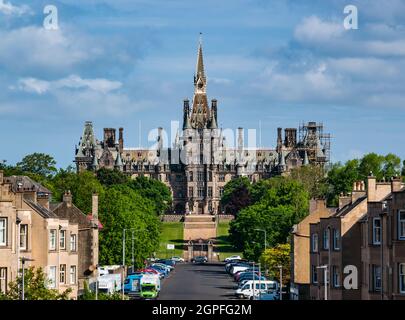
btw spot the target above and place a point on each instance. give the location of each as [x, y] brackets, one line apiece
[201, 161]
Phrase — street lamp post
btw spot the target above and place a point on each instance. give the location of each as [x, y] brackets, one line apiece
[281, 281]
[123, 255]
[17, 245]
[325, 277]
[23, 260]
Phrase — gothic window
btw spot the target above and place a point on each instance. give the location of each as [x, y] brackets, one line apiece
[200, 176]
[221, 177]
[191, 177]
[201, 191]
[210, 192]
[190, 192]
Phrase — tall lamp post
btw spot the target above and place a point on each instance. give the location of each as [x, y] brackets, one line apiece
[23, 260]
[123, 255]
[325, 279]
[281, 281]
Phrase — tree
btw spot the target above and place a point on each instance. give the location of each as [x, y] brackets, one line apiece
[371, 162]
[82, 186]
[403, 169]
[391, 166]
[313, 179]
[38, 163]
[123, 208]
[277, 256]
[236, 195]
[283, 204]
[109, 177]
[35, 287]
[153, 190]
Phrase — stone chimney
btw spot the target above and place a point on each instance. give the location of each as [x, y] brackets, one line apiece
[371, 188]
[344, 200]
[359, 190]
[94, 207]
[279, 139]
[121, 139]
[316, 205]
[396, 184]
[67, 198]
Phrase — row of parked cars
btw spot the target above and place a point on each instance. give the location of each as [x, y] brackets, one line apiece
[251, 284]
[145, 283]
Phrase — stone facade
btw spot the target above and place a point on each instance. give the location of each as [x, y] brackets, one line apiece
[201, 160]
[31, 229]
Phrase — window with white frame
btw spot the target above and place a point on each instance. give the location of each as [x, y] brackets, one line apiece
[376, 273]
[52, 277]
[336, 239]
[336, 276]
[376, 231]
[52, 239]
[401, 225]
[314, 242]
[3, 280]
[72, 274]
[23, 236]
[401, 274]
[326, 236]
[3, 231]
[72, 242]
[62, 273]
[314, 274]
[62, 239]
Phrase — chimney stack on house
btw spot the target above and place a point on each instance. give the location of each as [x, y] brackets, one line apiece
[371, 188]
[359, 190]
[94, 207]
[67, 198]
[121, 139]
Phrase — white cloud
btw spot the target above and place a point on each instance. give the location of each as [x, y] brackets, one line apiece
[36, 48]
[72, 82]
[9, 9]
[313, 29]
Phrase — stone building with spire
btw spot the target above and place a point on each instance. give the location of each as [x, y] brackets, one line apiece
[201, 160]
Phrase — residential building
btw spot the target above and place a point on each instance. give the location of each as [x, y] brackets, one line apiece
[50, 240]
[383, 246]
[85, 241]
[300, 248]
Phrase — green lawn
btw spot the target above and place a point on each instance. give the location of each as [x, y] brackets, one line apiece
[172, 232]
[223, 245]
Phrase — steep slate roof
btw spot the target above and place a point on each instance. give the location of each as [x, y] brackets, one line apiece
[43, 212]
[27, 184]
[349, 207]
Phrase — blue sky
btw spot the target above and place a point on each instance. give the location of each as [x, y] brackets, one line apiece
[121, 62]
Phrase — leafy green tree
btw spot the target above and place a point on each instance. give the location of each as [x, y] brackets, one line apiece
[284, 204]
[371, 162]
[35, 287]
[153, 190]
[403, 169]
[313, 179]
[236, 195]
[109, 177]
[82, 186]
[38, 163]
[278, 256]
[391, 166]
[123, 208]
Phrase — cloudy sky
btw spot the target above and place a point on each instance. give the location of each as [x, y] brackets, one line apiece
[131, 62]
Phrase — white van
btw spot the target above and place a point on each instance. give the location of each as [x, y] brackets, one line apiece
[264, 286]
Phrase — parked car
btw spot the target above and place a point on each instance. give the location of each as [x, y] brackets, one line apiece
[260, 287]
[233, 258]
[177, 259]
[163, 265]
[162, 271]
[168, 262]
[199, 259]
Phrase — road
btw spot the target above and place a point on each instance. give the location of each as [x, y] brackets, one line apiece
[198, 282]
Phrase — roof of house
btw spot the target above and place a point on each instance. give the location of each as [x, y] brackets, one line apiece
[349, 207]
[24, 183]
[43, 212]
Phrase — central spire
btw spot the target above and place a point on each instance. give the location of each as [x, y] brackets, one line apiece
[199, 70]
[200, 113]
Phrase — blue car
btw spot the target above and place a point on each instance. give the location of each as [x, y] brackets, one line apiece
[161, 270]
[132, 283]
